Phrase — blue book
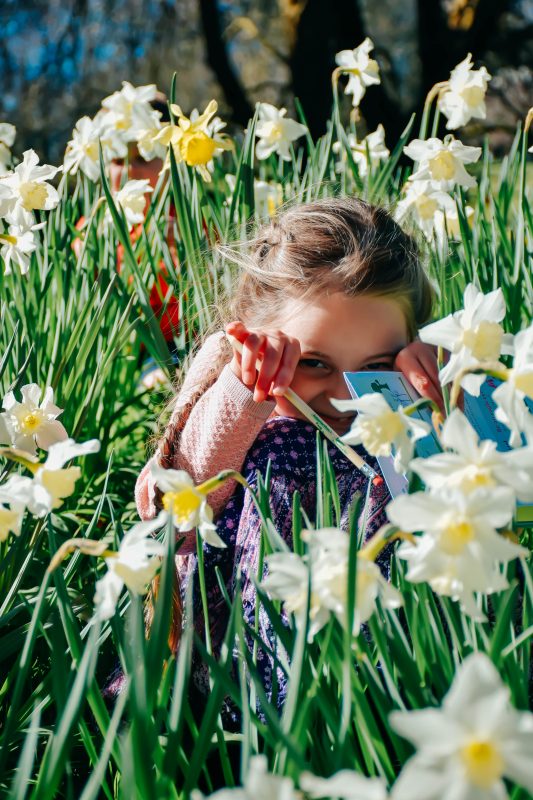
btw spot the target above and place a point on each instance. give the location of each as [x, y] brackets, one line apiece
[479, 411]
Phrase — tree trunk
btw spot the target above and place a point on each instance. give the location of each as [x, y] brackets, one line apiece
[219, 62]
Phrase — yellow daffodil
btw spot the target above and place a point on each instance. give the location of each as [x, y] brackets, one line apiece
[196, 140]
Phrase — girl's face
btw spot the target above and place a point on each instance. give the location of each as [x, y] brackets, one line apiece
[339, 334]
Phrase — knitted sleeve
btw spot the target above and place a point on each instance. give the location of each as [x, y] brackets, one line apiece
[219, 430]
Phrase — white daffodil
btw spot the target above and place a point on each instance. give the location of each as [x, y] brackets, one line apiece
[474, 464]
[134, 565]
[288, 580]
[51, 483]
[472, 335]
[466, 748]
[131, 198]
[82, 151]
[7, 137]
[197, 139]
[367, 153]
[275, 132]
[380, 429]
[447, 223]
[148, 126]
[464, 96]
[424, 200]
[510, 396]
[6, 200]
[443, 161]
[28, 184]
[329, 554]
[362, 70]
[186, 504]
[29, 424]
[268, 196]
[10, 518]
[258, 785]
[124, 105]
[460, 550]
[343, 785]
[17, 245]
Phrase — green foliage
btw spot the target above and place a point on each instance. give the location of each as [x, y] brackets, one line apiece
[76, 323]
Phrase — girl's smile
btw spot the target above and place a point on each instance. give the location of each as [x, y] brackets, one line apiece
[337, 334]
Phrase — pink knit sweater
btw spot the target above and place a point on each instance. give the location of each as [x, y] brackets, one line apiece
[221, 428]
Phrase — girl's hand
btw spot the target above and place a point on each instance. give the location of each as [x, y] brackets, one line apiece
[418, 363]
[279, 355]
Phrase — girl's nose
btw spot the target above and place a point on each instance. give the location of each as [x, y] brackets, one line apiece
[338, 389]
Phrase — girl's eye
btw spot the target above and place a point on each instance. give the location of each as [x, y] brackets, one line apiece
[379, 366]
[312, 363]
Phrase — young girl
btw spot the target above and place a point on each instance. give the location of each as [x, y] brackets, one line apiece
[329, 287]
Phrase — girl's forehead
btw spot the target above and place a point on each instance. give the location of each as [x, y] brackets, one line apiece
[343, 326]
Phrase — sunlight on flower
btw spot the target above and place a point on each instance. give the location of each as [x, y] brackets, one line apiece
[471, 743]
[362, 70]
[29, 424]
[380, 429]
[472, 335]
[443, 161]
[464, 96]
[275, 132]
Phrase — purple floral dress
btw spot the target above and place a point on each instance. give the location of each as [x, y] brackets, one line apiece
[290, 447]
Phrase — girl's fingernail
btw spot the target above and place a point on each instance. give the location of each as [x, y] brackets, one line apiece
[279, 390]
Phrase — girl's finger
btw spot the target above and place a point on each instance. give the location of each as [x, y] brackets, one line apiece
[420, 376]
[270, 362]
[289, 362]
[430, 371]
[252, 347]
[238, 330]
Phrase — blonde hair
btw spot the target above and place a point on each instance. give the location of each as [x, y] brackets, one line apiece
[329, 245]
